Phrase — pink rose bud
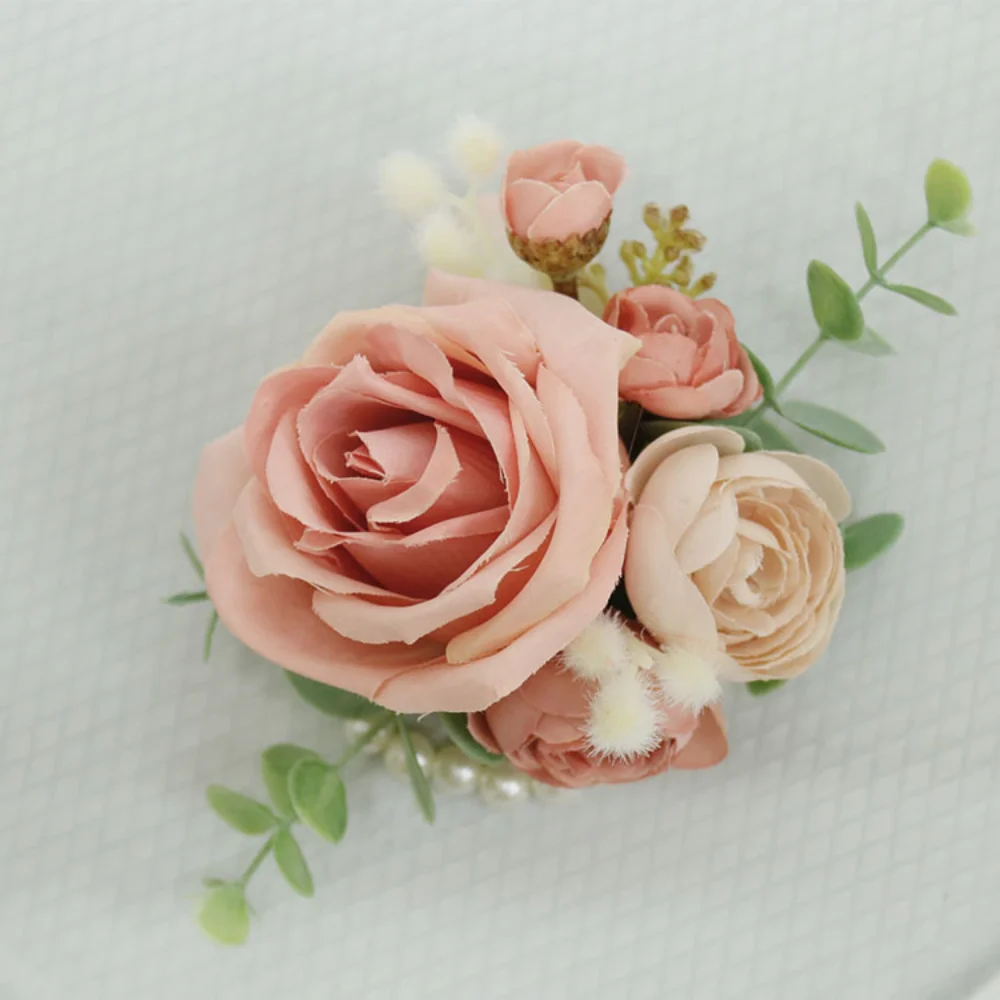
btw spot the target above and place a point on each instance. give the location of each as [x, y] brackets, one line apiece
[690, 366]
[557, 201]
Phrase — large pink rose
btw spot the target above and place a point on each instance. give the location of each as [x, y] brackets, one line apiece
[691, 366]
[542, 730]
[560, 189]
[428, 506]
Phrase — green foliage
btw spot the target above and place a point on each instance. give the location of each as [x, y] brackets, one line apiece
[421, 786]
[869, 248]
[192, 556]
[186, 597]
[292, 863]
[457, 727]
[870, 343]
[319, 798]
[835, 307]
[773, 438]
[224, 915]
[276, 763]
[832, 426]
[213, 624]
[766, 379]
[928, 299]
[948, 193]
[865, 541]
[759, 688]
[240, 811]
[332, 700]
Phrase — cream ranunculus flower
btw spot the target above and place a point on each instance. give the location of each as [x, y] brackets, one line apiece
[736, 556]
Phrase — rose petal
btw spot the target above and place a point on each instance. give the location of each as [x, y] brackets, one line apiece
[602, 164]
[524, 200]
[576, 211]
[685, 402]
[223, 472]
[545, 162]
[708, 744]
[724, 440]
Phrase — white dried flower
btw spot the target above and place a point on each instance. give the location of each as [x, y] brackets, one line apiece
[624, 721]
[476, 147]
[411, 184]
[640, 653]
[688, 677]
[601, 650]
[445, 243]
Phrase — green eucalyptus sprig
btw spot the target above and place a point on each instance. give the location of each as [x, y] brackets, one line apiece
[303, 788]
[185, 597]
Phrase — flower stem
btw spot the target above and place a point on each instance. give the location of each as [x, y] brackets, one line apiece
[807, 355]
[258, 860]
[362, 741]
[565, 286]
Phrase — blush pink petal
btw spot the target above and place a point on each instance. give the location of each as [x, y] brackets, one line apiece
[524, 200]
[545, 162]
[472, 686]
[689, 403]
[578, 210]
[223, 472]
[708, 744]
[605, 165]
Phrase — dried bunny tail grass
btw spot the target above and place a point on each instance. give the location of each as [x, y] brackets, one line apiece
[445, 243]
[601, 650]
[476, 147]
[688, 676]
[623, 721]
[411, 184]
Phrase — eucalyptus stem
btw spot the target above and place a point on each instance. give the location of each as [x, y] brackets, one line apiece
[807, 355]
[362, 741]
[258, 860]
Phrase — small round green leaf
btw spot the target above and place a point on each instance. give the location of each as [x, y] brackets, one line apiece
[319, 798]
[833, 427]
[457, 727]
[758, 688]
[928, 299]
[773, 438]
[765, 378]
[960, 227]
[240, 811]
[868, 246]
[865, 541]
[948, 193]
[276, 763]
[870, 343]
[421, 786]
[835, 307]
[292, 863]
[332, 700]
[224, 916]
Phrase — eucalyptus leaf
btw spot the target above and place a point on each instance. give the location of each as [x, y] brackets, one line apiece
[773, 438]
[835, 307]
[960, 227]
[765, 378]
[213, 624]
[421, 786]
[751, 439]
[192, 555]
[833, 427]
[186, 597]
[224, 915]
[869, 248]
[213, 883]
[865, 541]
[319, 798]
[276, 763]
[457, 727]
[240, 811]
[948, 193]
[292, 863]
[928, 299]
[758, 688]
[332, 700]
[870, 343]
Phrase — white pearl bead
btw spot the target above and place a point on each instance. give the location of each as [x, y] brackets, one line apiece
[354, 729]
[394, 755]
[498, 786]
[454, 772]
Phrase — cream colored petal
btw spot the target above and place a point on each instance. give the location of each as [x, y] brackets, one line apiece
[725, 441]
[823, 481]
[759, 465]
[679, 488]
[709, 536]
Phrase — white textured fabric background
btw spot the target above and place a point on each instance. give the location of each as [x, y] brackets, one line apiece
[186, 195]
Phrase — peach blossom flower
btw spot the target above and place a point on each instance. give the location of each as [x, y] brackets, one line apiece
[560, 189]
[691, 366]
[736, 556]
[542, 730]
[428, 506]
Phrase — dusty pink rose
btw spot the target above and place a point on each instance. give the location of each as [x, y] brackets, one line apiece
[560, 189]
[428, 505]
[541, 729]
[690, 366]
[734, 553]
